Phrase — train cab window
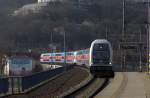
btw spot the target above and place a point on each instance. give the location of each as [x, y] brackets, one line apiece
[100, 47]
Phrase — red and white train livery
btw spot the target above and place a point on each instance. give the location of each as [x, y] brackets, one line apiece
[98, 58]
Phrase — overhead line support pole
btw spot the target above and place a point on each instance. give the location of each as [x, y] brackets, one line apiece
[148, 31]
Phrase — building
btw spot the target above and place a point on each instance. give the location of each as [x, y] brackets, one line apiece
[18, 66]
[45, 1]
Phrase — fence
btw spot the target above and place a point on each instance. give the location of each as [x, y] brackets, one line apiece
[15, 85]
[4, 84]
[32, 80]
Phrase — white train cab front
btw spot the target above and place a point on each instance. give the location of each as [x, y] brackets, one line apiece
[100, 57]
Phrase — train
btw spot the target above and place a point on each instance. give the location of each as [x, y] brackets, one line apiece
[98, 58]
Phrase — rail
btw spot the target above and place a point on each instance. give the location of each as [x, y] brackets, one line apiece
[90, 89]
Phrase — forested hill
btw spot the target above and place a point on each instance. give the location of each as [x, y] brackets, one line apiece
[82, 23]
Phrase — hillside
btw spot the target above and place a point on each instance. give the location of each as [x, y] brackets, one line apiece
[82, 23]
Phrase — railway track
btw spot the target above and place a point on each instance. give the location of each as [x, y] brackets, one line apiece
[89, 90]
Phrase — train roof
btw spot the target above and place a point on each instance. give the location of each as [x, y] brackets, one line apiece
[100, 41]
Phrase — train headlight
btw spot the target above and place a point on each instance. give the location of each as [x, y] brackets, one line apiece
[110, 63]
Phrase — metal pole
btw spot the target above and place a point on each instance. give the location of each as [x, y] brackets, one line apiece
[147, 49]
[79, 2]
[121, 56]
[124, 60]
[148, 38]
[51, 48]
[140, 47]
[106, 32]
[123, 18]
[65, 50]
[123, 15]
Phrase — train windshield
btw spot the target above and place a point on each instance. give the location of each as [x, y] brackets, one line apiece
[100, 47]
[101, 53]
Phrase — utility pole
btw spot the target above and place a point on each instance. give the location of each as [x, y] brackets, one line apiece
[106, 32]
[123, 19]
[51, 48]
[122, 36]
[79, 4]
[148, 31]
[65, 50]
[140, 50]
[124, 59]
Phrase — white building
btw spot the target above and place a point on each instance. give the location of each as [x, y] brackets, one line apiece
[44, 1]
[18, 66]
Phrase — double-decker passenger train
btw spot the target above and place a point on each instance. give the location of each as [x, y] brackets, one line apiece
[98, 58]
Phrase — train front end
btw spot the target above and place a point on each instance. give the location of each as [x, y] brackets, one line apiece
[101, 59]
